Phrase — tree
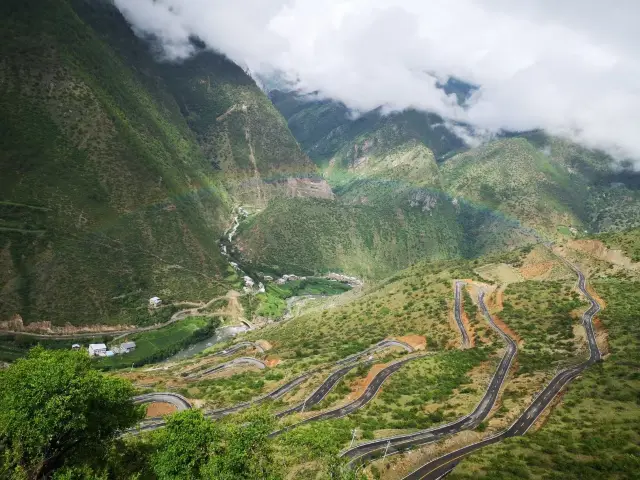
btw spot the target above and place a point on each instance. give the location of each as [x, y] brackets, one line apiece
[183, 447]
[57, 411]
[191, 447]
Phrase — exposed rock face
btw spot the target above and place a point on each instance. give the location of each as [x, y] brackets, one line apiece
[308, 187]
[16, 324]
[426, 201]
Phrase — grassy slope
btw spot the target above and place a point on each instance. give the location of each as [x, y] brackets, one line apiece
[627, 241]
[312, 235]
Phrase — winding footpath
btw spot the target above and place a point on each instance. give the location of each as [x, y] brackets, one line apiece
[441, 466]
[399, 443]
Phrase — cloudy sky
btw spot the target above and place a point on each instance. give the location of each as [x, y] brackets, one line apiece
[571, 67]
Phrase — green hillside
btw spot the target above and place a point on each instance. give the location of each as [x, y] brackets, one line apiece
[544, 182]
[370, 240]
[120, 174]
[325, 128]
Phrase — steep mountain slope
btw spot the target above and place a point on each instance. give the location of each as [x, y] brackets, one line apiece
[327, 129]
[541, 181]
[544, 182]
[120, 172]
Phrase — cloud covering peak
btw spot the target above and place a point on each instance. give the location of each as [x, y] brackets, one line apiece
[571, 67]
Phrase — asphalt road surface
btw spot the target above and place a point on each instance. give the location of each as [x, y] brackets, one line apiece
[457, 313]
[397, 444]
[361, 401]
[238, 346]
[345, 365]
[441, 466]
[179, 401]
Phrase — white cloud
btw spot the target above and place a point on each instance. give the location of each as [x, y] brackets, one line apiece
[570, 67]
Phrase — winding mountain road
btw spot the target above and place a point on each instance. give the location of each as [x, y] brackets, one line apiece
[396, 444]
[457, 313]
[236, 362]
[318, 395]
[369, 393]
[178, 400]
[441, 466]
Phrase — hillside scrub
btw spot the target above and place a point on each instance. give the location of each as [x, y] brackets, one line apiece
[593, 433]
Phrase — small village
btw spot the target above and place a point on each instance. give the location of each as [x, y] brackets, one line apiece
[100, 349]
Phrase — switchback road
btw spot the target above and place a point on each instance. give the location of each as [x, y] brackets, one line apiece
[362, 400]
[457, 313]
[179, 401]
[441, 466]
[390, 445]
[345, 365]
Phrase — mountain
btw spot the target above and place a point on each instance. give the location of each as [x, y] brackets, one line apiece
[547, 183]
[390, 211]
[542, 181]
[326, 128]
[121, 171]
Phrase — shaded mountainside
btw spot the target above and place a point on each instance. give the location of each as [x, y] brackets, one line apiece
[541, 181]
[328, 130]
[372, 241]
[120, 172]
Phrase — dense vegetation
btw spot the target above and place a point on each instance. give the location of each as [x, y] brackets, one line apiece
[121, 171]
[57, 413]
[548, 342]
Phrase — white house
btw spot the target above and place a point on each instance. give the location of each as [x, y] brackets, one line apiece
[97, 350]
[127, 347]
[155, 302]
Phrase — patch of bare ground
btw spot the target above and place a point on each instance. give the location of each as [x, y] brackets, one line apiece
[358, 386]
[234, 309]
[501, 273]
[264, 344]
[537, 271]
[418, 342]
[602, 336]
[272, 361]
[158, 409]
[597, 249]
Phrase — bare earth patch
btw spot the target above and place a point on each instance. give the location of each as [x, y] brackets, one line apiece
[500, 273]
[418, 342]
[272, 361]
[158, 409]
[359, 386]
[597, 249]
[538, 271]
